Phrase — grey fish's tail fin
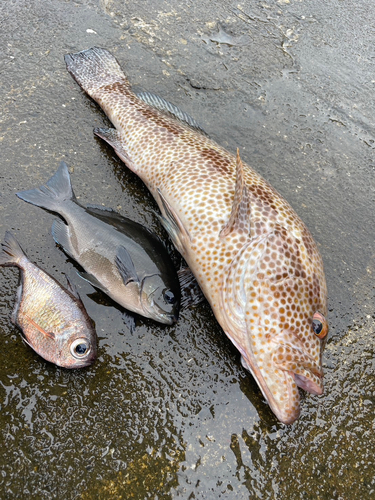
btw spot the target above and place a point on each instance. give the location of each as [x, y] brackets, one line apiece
[11, 252]
[94, 68]
[52, 194]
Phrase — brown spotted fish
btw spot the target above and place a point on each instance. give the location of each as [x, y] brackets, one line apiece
[254, 259]
[53, 321]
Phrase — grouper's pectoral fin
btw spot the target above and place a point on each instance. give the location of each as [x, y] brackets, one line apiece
[114, 139]
[173, 225]
[239, 219]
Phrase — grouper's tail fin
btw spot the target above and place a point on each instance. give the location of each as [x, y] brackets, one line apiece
[10, 251]
[52, 194]
[94, 68]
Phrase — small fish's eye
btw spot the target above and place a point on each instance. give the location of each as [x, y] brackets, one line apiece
[320, 325]
[80, 348]
[169, 297]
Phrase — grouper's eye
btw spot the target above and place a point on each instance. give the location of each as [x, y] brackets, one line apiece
[80, 348]
[169, 296]
[320, 325]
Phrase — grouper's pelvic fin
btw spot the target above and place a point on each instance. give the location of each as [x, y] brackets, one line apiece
[95, 68]
[52, 194]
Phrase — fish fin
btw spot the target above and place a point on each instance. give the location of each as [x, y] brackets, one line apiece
[11, 253]
[129, 320]
[17, 304]
[173, 225]
[114, 139]
[170, 109]
[52, 194]
[94, 68]
[90, 278]
[125, 266]
[61, 235]
[51, 335]
[239, 219]
[191, 294]
[72, 288]
[94, 208]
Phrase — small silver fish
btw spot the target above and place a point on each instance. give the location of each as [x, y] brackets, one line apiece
[122, 258]
[53, 321]
[253, 257]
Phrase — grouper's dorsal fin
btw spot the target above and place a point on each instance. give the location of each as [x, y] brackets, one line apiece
[165, 106]
[239, 219]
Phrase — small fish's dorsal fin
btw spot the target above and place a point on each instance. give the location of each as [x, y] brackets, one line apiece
[167, 107]
[239, 219]
[126, 266]
[11, 252]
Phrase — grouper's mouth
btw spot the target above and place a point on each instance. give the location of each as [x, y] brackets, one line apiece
[291, 368]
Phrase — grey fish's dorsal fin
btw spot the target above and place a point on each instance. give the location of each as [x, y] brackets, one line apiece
[72, 288]
[53, 193]
[191, 293]
[239, 219]
[125, 266]
[165, 106]
[11, 252]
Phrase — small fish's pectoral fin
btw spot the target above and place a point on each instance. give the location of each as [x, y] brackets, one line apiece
[191, 294]
[51, 335]
[90, 278]
[125, 266]
[239, 219]
[173, 225]
[114, 139]
[61, 235]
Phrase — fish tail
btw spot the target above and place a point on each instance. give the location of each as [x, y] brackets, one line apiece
[10, 253]
[52, 194]
[94, 68]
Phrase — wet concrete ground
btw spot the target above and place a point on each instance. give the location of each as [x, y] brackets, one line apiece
[168, 412]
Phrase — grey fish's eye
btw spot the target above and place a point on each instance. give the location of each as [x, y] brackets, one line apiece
[169, 296]
[80, 348]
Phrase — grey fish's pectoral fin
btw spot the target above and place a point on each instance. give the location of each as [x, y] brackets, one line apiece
[167, 107]
[61, 235]
[114, 139]
[90, 278]
[239, 219]
[173, 225]
[126, 266]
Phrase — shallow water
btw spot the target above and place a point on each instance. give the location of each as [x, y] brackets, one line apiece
[168, 412]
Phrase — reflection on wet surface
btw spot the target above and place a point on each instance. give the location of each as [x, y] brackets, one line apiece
[168, 412]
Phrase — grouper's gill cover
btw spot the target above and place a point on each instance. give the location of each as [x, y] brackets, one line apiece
[253, 257]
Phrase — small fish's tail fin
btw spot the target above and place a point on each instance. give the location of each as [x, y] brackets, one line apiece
[10, 253]
[51, 195]
[94, 68]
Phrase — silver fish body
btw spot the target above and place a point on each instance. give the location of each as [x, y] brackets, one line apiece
[120, 257]
[253, 257]
[53, 320]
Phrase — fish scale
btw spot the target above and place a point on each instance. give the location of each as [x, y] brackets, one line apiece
[254, 259]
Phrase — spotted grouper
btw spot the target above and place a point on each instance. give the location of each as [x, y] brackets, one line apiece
[253, 257]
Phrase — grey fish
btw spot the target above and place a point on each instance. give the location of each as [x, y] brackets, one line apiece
[253, 257]
[53, 321]
[120, 257]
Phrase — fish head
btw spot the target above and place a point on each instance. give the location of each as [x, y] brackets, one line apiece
[160, 299]
[76, 345]
[284, 328]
